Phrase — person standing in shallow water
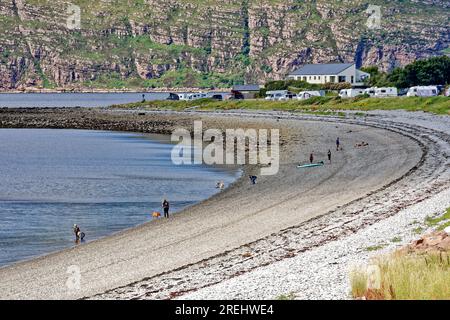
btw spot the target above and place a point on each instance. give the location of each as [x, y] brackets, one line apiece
[166, 206]
[77, 232]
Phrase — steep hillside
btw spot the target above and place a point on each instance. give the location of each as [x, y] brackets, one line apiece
[206, 43]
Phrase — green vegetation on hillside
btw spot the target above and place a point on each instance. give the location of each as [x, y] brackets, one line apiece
[203, 43]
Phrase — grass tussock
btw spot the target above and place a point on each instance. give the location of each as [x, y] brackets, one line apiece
[320, 105]
[404, 277]
[290, 296]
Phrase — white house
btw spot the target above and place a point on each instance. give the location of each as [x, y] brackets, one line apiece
[330, 73]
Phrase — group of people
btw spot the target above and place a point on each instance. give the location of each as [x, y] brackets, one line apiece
[338, 147]
[79, 236]
[220, 185]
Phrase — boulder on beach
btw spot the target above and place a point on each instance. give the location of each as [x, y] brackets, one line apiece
[433, 242]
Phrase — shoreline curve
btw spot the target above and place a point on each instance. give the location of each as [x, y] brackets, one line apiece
[400, 155]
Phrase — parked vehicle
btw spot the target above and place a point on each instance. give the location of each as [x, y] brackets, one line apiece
[220, 96]
[386, 92]
[447, 93]
[236, 95]
[423, 91]
[192, 96]
[183, 96]
[370, 91]
[173, 96]
[303, 95]
[278, 95]
[288, 96]
[217, 97]
[351, 93]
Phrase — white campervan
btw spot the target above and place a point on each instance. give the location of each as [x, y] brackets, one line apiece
[423, 91]
[303, 95]
[350, 93]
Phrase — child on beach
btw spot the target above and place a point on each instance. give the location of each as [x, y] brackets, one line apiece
[253, 179]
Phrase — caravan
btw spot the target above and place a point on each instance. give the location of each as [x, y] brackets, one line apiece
[192, 96]
[303, 95]
[382, 92]
[350, 93]
[423, 91]
[280, 95]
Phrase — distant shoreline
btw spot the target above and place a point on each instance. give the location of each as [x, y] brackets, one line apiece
[143, 90]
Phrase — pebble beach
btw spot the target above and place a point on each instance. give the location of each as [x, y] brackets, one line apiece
[295, 233]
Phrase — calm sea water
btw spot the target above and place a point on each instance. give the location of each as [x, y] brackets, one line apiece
[28, 100]
[52, 100]
[103, 181]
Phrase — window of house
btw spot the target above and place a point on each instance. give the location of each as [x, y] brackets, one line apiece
[342, 78]
[353, 79]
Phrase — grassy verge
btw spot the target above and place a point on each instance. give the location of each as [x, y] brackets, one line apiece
[322, 105]
[404, 277]
[442, 222]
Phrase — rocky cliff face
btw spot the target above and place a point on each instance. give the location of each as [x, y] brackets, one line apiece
[206, 42]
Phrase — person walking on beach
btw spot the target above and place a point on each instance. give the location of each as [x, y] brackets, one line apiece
[253, 179]
[329, 155]
[143, 97]
[166, 206]
[338, 143]
[311, 157]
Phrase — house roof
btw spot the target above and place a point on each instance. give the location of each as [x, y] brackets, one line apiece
[246, 87]
[321, 69]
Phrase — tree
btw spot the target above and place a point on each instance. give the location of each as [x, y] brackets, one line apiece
[432, 71]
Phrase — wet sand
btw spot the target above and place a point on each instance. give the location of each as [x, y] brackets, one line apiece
[238, 216]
